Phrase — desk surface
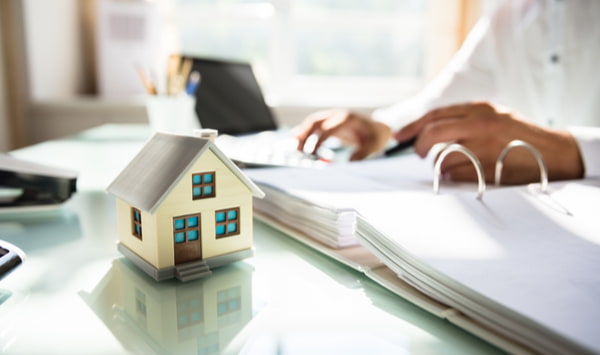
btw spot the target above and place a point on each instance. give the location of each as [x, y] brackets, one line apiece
[76, 294]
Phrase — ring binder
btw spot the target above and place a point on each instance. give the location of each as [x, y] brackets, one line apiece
[455, 147]
[325, 211]
[536, 155]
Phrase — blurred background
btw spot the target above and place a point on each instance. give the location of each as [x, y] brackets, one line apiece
[68, 65]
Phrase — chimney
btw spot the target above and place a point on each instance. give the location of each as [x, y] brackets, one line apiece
[206, 133]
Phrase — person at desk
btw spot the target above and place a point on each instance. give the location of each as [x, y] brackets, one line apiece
[528, 71]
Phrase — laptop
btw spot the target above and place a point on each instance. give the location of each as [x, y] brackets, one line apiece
[229, 99]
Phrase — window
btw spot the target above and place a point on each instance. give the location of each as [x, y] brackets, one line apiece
[229, 300]
[227, 222]
[136, 222]
[190, 310]
[186, 228]
[312, 49]
[203, 185]
[140, 306]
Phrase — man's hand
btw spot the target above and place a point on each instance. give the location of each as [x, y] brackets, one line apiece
[486, 130]
[366, 135]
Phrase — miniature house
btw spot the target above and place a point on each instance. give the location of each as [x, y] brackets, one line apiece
[183, 208]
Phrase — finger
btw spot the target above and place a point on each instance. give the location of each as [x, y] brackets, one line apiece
[323, 136]
[467, 173]
[469, 131]
[414, 128]
[447, 130]
[512, 175]
[461, 109]
[409, 131]
[463, 169]
[306, 129]
[363, 151]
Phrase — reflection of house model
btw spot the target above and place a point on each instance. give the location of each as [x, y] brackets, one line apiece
[202, 317]
[183, 207]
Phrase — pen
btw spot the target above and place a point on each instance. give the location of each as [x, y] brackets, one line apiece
[400, 147]
[193, 83]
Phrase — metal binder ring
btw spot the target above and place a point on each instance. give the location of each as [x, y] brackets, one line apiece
[537, 156]
[437, 169]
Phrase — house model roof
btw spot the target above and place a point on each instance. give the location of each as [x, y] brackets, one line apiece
[163, 160]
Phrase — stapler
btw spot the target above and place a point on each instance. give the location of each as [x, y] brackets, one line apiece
[32, 184]
[10, 258]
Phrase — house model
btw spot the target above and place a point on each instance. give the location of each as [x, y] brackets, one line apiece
[183, 208]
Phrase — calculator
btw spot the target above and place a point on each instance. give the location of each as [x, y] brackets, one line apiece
[10, 258]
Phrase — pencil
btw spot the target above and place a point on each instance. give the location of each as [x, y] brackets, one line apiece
[148, 85]
[184, 73]
[172, 73]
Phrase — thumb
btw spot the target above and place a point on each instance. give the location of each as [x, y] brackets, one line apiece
[362, 152]
[405, 133]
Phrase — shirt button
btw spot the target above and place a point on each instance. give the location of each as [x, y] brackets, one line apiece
[554, 58]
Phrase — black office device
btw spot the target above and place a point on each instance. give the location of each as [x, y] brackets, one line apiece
[36, 184]
[229, 98]
[10, 258]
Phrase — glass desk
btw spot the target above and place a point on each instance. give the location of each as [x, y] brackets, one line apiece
[76, 294]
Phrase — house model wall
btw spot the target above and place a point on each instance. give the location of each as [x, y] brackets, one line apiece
[183, 207]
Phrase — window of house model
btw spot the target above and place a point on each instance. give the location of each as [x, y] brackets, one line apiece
[227, 222]
[136, 222]
[186, 228]
[203, 185]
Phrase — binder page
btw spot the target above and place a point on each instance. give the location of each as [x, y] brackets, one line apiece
[321, 202]
[337, 187]
[517, 253]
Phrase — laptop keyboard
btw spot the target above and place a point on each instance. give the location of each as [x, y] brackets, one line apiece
[270, 148]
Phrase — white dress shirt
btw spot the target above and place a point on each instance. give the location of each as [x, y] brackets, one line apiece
[539, 58]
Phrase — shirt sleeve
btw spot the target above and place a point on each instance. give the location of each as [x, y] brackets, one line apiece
[588, 139]
[468, 77]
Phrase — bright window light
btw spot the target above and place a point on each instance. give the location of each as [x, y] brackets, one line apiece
[313, 51]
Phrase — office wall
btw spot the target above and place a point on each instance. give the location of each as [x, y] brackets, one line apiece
[54, 48]
[60, 67]
[5, 142]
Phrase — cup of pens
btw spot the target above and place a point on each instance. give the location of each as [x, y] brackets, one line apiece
[173, 114]
[172, 109]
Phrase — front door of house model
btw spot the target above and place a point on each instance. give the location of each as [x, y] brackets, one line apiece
[186, 238]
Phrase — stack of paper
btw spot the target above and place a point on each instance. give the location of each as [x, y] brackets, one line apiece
[520, 268]
[317, 202]
[332, 226]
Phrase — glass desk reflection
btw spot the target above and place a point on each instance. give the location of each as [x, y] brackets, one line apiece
[173, 317]
[76, 294]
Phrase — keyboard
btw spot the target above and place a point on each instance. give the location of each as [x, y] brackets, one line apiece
[270, 149]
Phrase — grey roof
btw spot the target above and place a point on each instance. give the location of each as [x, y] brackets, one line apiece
[152, 173]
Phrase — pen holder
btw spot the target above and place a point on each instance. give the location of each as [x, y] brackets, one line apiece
[172, 114]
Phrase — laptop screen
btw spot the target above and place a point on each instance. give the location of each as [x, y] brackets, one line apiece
[229, 99]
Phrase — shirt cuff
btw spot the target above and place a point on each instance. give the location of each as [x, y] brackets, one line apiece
[588, 139]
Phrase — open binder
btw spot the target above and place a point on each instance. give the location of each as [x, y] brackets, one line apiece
[518, 266]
